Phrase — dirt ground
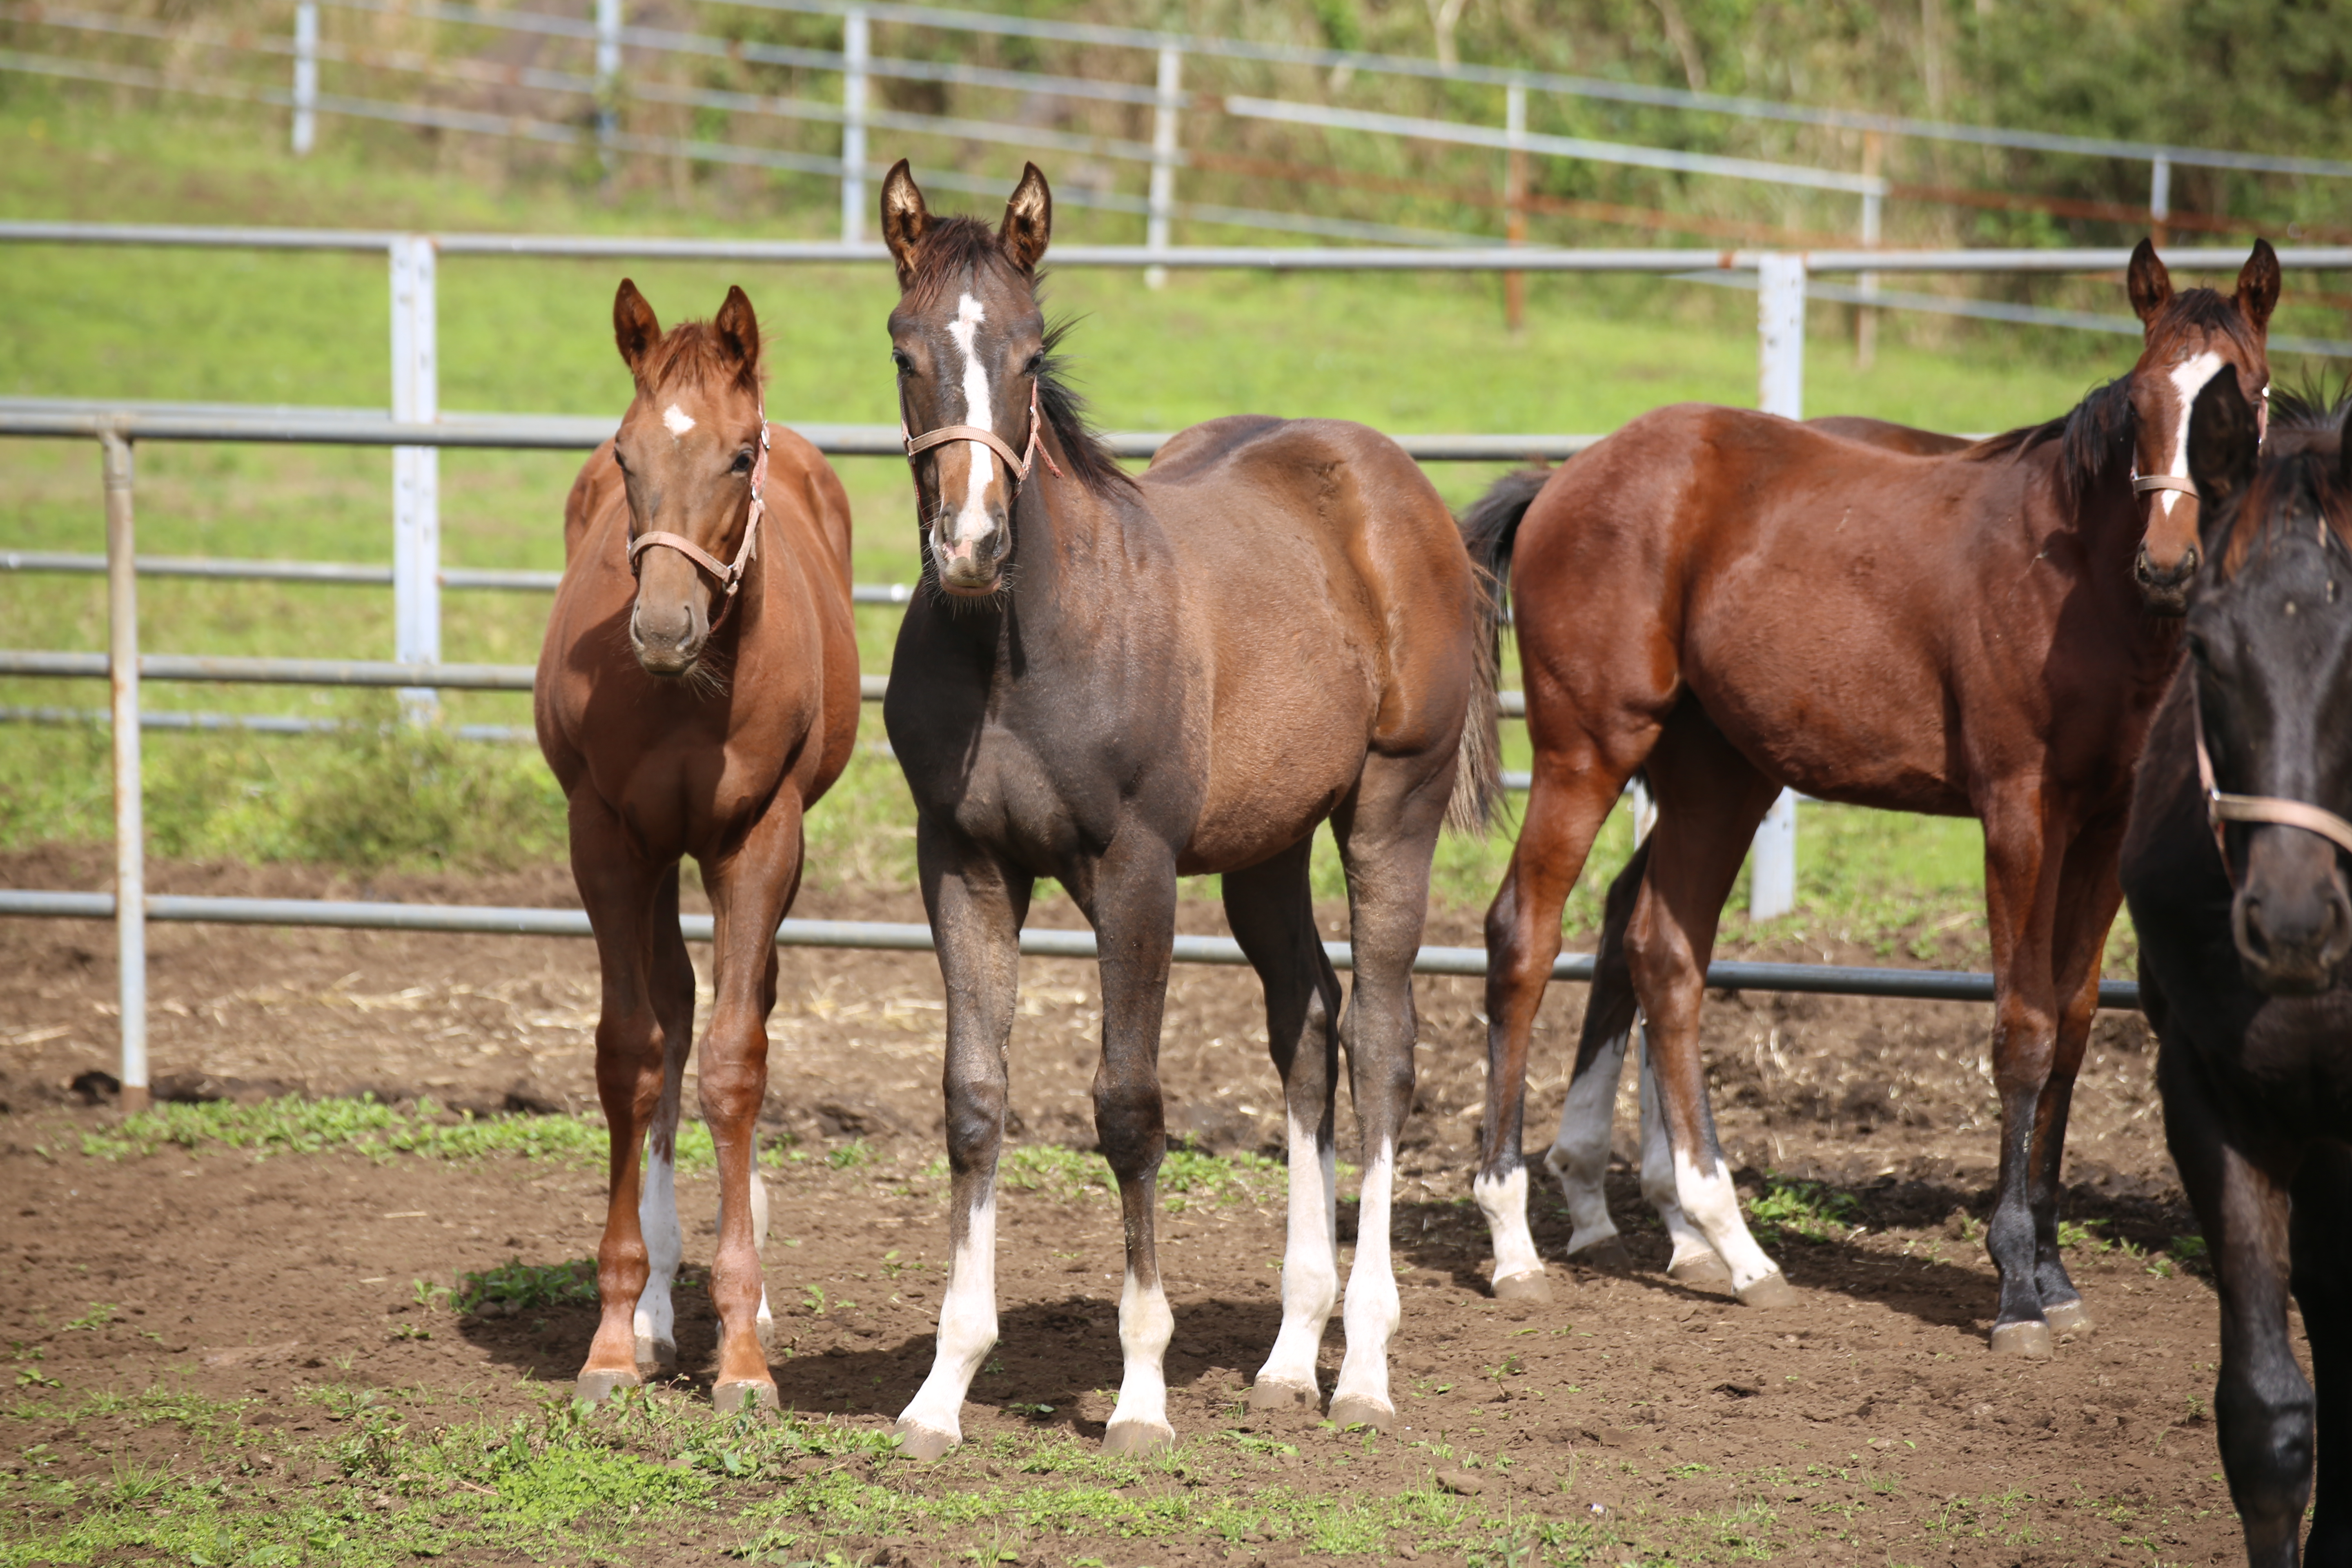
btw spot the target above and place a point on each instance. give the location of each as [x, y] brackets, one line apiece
[1869, 1425]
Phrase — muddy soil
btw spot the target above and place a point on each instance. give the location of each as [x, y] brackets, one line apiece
[1871, 1418]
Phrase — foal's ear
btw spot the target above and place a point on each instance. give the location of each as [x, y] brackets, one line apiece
[2258, 285]
[2224, 437]
[1028, 225]
[635, 328]
[738, 334]
[2150, 284]
[905, 220]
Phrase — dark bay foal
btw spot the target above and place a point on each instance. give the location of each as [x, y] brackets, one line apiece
[1114, 682]
[2234, 868]
[697, 692]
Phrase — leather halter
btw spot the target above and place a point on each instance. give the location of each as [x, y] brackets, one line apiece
[728, 573]
[1019, 463]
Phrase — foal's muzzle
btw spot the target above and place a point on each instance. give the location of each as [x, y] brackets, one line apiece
[2165, 590]
[973, 568]
[2291, 917]
[668, 633]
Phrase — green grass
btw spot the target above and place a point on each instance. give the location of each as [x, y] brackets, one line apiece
[1402, 354]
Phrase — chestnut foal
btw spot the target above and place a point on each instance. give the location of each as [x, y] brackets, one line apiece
[1728, 603]
[697, 691]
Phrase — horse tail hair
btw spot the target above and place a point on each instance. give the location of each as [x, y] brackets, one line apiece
[1489, 527]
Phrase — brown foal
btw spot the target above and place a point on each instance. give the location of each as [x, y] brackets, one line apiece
[697, 691]
[1730, 604]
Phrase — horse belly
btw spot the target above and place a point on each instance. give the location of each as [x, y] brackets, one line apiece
[1277, 767]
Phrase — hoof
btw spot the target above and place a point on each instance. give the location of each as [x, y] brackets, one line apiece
[1138, 1438]
[656, 1358]
[1610, 1255]
[2030, 1340]
[729, 1397]
[1772, 1290]
[1532, 1286]
[1356, 1410]
[917, 1441]
[2069, 1318]
[595, 1387]
[1702, 1271]
[1267, 1394]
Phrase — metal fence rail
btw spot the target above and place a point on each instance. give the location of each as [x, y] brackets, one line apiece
[1817, 979]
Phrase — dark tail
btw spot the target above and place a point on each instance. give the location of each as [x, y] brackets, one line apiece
[1488, 530]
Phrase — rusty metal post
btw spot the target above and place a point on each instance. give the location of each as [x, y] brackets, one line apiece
[129, 826]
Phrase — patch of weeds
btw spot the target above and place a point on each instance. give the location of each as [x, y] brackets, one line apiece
[2083, 1238]
[849, 1156]
[1803, 1210]
[2188, 1252]
[1186, 1176]
[101, 1314]
[293, 1125]
[526, 1287]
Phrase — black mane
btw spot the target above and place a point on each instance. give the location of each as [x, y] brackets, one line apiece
[2299, 456]
[955, 247]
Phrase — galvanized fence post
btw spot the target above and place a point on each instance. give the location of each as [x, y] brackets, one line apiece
[1159, 223]
[608, 79]
[856, 49]
[130, 825]
[1514, 201]
[2159, 199]
[306, 76]
[415, 470]
[1780, 384]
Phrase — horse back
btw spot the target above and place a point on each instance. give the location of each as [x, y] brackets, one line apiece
[1334, 523]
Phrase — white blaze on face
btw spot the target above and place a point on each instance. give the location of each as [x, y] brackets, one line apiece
[971, 523]
[2189, 378]
[678, 421]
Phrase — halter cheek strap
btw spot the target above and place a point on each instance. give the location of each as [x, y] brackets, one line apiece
[730, 573]
[1019, 463]
[2221, 808]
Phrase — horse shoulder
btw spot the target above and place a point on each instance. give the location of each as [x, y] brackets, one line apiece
[596, 487]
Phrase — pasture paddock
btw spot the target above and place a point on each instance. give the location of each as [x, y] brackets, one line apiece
[2103, 1453]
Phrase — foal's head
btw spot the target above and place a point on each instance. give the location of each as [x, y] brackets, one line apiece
[2191, 337]
[2270, 647]
[970, 342]
[689, 449]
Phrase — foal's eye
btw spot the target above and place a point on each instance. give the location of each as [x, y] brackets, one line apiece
[906, 366]
[1036, 364]
[743, 461]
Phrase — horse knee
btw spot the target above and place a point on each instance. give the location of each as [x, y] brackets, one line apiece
[975, 1120]
[1132, 1122]
[2266, 1439]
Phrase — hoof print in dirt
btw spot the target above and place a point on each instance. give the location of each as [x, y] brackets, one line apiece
[1355, 1410]
[731, 1397]
[1138, 1437]
[1284, 1398]
[917, 1441]
[1531, 1287]
[595, 1387]
[2069, 1318]
[1773, 1290]
[1703, 1272]
[2030, 1340]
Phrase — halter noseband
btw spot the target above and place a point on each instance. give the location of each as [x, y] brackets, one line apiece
[728, 573]
[1019, 463]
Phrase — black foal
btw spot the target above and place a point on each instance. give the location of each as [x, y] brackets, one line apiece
[2234, 868]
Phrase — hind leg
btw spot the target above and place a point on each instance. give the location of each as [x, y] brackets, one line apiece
[1710, 800]
[1387, 832]
[1578, 779]
[1273, 917]
[654, 1324]
[1579, 1156]
[1693, 1260]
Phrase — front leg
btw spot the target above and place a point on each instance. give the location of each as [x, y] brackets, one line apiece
[976, 905]
[1130, 895]
[2263, 1407]
[751, 890]
[2022, 887]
